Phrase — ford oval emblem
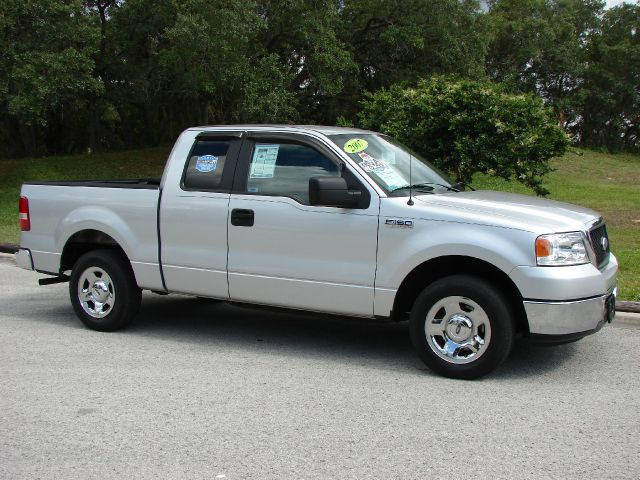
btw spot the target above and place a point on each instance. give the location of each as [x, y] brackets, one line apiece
[604, 243]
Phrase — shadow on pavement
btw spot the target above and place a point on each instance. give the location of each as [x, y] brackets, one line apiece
[319, 337]
[379, 344]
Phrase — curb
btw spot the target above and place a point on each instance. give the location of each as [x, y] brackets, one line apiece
[631, 307]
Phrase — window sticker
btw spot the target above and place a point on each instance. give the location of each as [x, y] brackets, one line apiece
[206, 163]
[384, 172]
[355, 145]
[263, 163]
[370, 164]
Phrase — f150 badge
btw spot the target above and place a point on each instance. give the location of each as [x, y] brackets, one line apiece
[398, 222]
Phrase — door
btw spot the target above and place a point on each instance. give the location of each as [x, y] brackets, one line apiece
[285, 252]
[193, 218]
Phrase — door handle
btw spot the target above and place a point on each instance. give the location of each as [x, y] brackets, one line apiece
[241, 217]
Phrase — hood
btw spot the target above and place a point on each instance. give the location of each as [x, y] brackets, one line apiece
[508, 210]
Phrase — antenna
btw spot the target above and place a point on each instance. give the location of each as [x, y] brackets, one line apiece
[410, 202]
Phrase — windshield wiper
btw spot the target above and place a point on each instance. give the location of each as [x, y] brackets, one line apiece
[426, 185]
[421, 187]
[460, 186]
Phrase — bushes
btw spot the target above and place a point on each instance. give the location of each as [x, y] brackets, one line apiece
[467, 126]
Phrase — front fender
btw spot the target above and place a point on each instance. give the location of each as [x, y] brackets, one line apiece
[402, 249]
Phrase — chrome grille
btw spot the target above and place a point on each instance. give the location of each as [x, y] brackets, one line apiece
[600, 244]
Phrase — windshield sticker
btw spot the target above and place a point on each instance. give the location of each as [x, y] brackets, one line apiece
[263, 164]
[355, 145]
[370, 164]
[206, 163]
[383, 171]
[392, 179]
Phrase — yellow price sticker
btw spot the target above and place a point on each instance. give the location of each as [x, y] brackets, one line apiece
[355, 145]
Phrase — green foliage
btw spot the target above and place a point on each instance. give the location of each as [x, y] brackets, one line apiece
[205, 60]
[396, 42]
[303, 34]
[46, 65]
[538, 46]
[611, 93]
[466, 126]
[266, 100]
[78, 75]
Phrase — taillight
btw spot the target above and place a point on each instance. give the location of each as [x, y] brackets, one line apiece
[23, 214]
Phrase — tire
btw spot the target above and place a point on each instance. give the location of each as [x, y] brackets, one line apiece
[103, 290]
[461, 327]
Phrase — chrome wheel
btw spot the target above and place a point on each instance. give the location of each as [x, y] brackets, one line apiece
[96, 292]
[457, 329]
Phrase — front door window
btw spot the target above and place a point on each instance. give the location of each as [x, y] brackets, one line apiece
[284, 169]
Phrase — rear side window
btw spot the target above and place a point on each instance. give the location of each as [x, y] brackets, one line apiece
[206, 164]
[284, 169]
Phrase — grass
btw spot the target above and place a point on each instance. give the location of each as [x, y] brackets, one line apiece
[127, 164]
[607, 183]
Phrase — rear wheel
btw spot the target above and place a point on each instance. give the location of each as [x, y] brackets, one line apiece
[461, 327]
[103, 290]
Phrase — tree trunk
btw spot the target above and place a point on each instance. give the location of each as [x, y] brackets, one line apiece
[28, 138]
[205, 113]
[92, 129]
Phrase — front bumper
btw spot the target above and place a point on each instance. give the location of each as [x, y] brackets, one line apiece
[569, 318]
[561, 301]
[23, 259]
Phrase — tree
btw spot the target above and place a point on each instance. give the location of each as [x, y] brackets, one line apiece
[396, 42]
[303, 36]
[142, 112]
[46, 69]
[611, 94]
[467, 126]
[400, 41]
[539, 46]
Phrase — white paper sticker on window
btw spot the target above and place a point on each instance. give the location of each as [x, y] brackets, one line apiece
[392, 179]
[385, 172]
[263, 163]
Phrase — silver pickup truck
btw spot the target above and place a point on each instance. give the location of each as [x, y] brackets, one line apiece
[333, 220]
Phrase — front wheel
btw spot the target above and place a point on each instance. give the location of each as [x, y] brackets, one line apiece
[103, 290]
[461, 327]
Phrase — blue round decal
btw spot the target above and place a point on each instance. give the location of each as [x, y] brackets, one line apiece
[206, 163]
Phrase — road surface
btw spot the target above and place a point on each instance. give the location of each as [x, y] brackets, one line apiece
[199, 390]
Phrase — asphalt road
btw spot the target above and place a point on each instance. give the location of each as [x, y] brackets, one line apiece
[194, 390]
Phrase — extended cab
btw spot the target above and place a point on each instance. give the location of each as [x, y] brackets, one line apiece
[333, 220]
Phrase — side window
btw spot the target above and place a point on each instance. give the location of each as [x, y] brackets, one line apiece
[285, 168]
[206, 164]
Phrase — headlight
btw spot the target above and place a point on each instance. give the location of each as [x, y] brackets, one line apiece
[561, 249]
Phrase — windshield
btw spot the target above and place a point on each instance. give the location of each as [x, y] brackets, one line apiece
[387, 163]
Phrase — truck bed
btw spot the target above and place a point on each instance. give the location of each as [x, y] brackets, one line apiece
[125, 210]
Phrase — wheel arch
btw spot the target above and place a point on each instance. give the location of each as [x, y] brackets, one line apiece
[434, 269]
[84, 241]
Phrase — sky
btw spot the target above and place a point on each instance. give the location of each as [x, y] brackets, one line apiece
[613, 3]
[610, 3]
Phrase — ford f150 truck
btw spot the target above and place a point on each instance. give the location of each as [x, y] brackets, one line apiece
[333, 220]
